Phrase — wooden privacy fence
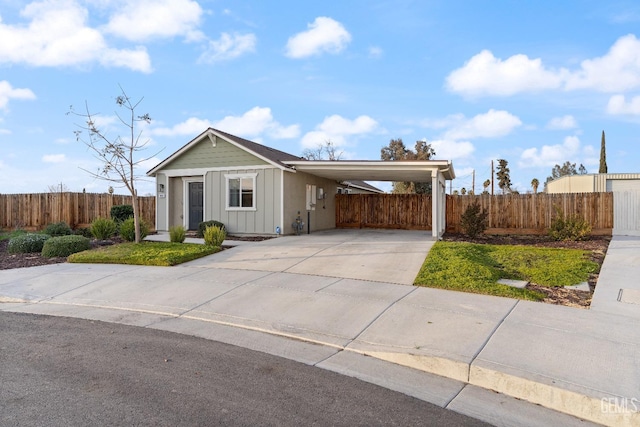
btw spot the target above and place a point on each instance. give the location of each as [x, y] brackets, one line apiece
[508, 214]
[406, 211]
[36, 211]
[533, 213]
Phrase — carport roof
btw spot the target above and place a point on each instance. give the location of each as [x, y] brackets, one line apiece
[374, 170]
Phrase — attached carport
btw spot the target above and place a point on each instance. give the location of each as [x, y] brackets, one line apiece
[436, 171]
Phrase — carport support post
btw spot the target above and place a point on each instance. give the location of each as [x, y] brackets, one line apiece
[435, 204]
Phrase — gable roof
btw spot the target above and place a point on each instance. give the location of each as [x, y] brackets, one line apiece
[268, 154]
[362, 185]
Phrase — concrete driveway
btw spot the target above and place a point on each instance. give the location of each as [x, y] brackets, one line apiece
[390, 256]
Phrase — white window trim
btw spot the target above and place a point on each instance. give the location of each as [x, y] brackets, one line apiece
[185, 204]
[229, 176]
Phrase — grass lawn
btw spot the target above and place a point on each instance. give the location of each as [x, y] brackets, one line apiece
[476, 268]
[145, 253]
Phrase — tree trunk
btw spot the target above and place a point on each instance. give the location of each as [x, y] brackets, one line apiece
[136, 214]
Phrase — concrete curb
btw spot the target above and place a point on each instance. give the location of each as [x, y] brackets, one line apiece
[553, 397]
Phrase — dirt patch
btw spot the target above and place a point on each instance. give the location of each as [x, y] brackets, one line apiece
[596, 246]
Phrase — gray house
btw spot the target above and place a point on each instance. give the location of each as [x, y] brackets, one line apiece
[254, 189]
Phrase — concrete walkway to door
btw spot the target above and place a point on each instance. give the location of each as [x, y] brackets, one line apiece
[390, 256]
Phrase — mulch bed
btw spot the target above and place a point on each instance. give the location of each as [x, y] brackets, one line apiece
[8, 261]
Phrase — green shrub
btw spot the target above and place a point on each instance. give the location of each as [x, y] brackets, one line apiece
[571, 228]
[58, 229]
[85, 231]
[474, 220]
[103, 228]
[177, 234]
[120, 213]
[214, 236]
[128, 230]
[27, 243]
[203, 225]
[63, 246]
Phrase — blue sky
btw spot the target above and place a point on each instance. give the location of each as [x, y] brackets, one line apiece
[534, 83]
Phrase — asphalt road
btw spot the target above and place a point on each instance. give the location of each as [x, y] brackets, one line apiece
[71, 372]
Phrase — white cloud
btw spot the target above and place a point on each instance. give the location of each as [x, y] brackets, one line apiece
[336, 128]
[550, 155]
[228, 47]
[619, 105]
[252, 124]
[323, 35]
[452, 150]
[8, 92]
[484, 74]
[150, 19]
[617, 71]
[255, 122]
[191, 126]
[375, 52]
[53, 158]
[57, 35]
[5, 131]
[562, 123]
[492, 124]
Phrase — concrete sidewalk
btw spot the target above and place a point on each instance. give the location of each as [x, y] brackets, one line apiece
[579, 362]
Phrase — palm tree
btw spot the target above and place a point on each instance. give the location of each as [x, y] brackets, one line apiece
[534, 184]
[486, 185]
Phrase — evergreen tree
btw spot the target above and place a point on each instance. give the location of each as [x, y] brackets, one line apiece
[396, 150]
[603, 156]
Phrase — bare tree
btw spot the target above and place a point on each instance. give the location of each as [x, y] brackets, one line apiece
[326, 151]
[118, 155]
[58, 188]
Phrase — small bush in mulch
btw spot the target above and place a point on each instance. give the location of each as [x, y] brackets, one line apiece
[203, 226]
[214, 236]
[58, 229]
[569, 228]
[27, 243]
[85, 231]
[64, 246]
[177, 234]
[474, 220]
[120, 213]
[103, 228]
[128, 230]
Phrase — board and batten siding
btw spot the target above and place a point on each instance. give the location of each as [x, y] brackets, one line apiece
[264, 219]
[295, 199]
[223, 155]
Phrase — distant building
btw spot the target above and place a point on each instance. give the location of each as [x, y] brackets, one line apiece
[595, 183]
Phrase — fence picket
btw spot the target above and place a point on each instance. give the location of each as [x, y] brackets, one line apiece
[36, 211]
[508, 214]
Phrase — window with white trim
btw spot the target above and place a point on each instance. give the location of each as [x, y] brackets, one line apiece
[241, 194]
